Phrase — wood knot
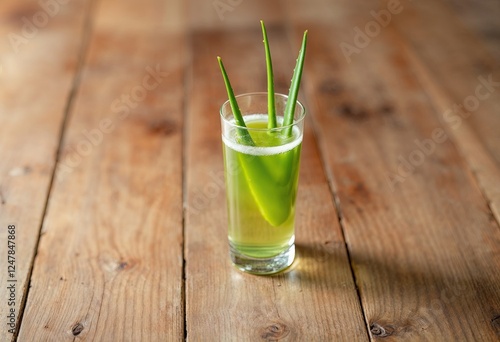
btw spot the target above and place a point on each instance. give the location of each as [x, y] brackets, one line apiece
[495, 323]
[386, 109]
[163, 127]
[16, 16]
[20, 171]
[348, 111]
[360, 189]
[380, 331]
[482, 67]
[122, 265]
[275, 331]
[77, 329]
[118, 265]
[331, 86]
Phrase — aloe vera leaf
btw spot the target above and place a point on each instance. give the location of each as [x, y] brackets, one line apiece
[271, 108]
[294, 87]
[243, 135]
[275, 206]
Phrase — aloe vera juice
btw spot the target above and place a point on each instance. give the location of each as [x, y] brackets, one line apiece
[261, 183]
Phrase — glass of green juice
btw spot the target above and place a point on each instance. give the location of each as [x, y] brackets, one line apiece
[261, 183]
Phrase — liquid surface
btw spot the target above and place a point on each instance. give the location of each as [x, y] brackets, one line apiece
[267, 143]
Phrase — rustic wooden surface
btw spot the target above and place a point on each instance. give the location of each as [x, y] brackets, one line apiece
[111, 170]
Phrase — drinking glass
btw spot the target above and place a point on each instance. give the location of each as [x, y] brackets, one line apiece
[261, 183]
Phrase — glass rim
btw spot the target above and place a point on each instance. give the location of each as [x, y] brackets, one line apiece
[233, 124]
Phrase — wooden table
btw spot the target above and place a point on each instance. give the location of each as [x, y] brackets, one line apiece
[112, 204]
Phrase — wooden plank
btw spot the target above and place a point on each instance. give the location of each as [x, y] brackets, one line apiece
[316, 299]
[424, 248]
[482, 18]
[39, 54]
[220, 14]
[468, 102]
[109, 264]
[138, 16]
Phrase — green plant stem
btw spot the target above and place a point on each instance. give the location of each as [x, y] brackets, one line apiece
[271, 108]
[260, 176]
[294, 88]
[243, 134]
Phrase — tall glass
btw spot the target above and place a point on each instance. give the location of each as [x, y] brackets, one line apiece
[261, 183]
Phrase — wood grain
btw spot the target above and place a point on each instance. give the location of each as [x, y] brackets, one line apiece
[424, 249]
[109, 264]
[316, 299]
[465, 88]
[111, 169]
[480, 17]
[38, 64]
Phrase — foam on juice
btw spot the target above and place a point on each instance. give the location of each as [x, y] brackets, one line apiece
[261, 150]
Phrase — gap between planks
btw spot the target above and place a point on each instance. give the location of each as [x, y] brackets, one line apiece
[87, 29]
[185, 112]
[440, 101]
[478, 161]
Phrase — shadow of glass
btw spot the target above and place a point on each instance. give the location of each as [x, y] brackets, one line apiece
[400, 296]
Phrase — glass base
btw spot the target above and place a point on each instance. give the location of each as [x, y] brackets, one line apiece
[262, 266]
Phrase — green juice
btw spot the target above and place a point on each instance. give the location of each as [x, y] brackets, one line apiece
[261, 183]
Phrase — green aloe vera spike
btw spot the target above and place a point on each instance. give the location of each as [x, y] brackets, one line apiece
[294, 87]
[274, 206]
[243, 134]
[271, 109]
